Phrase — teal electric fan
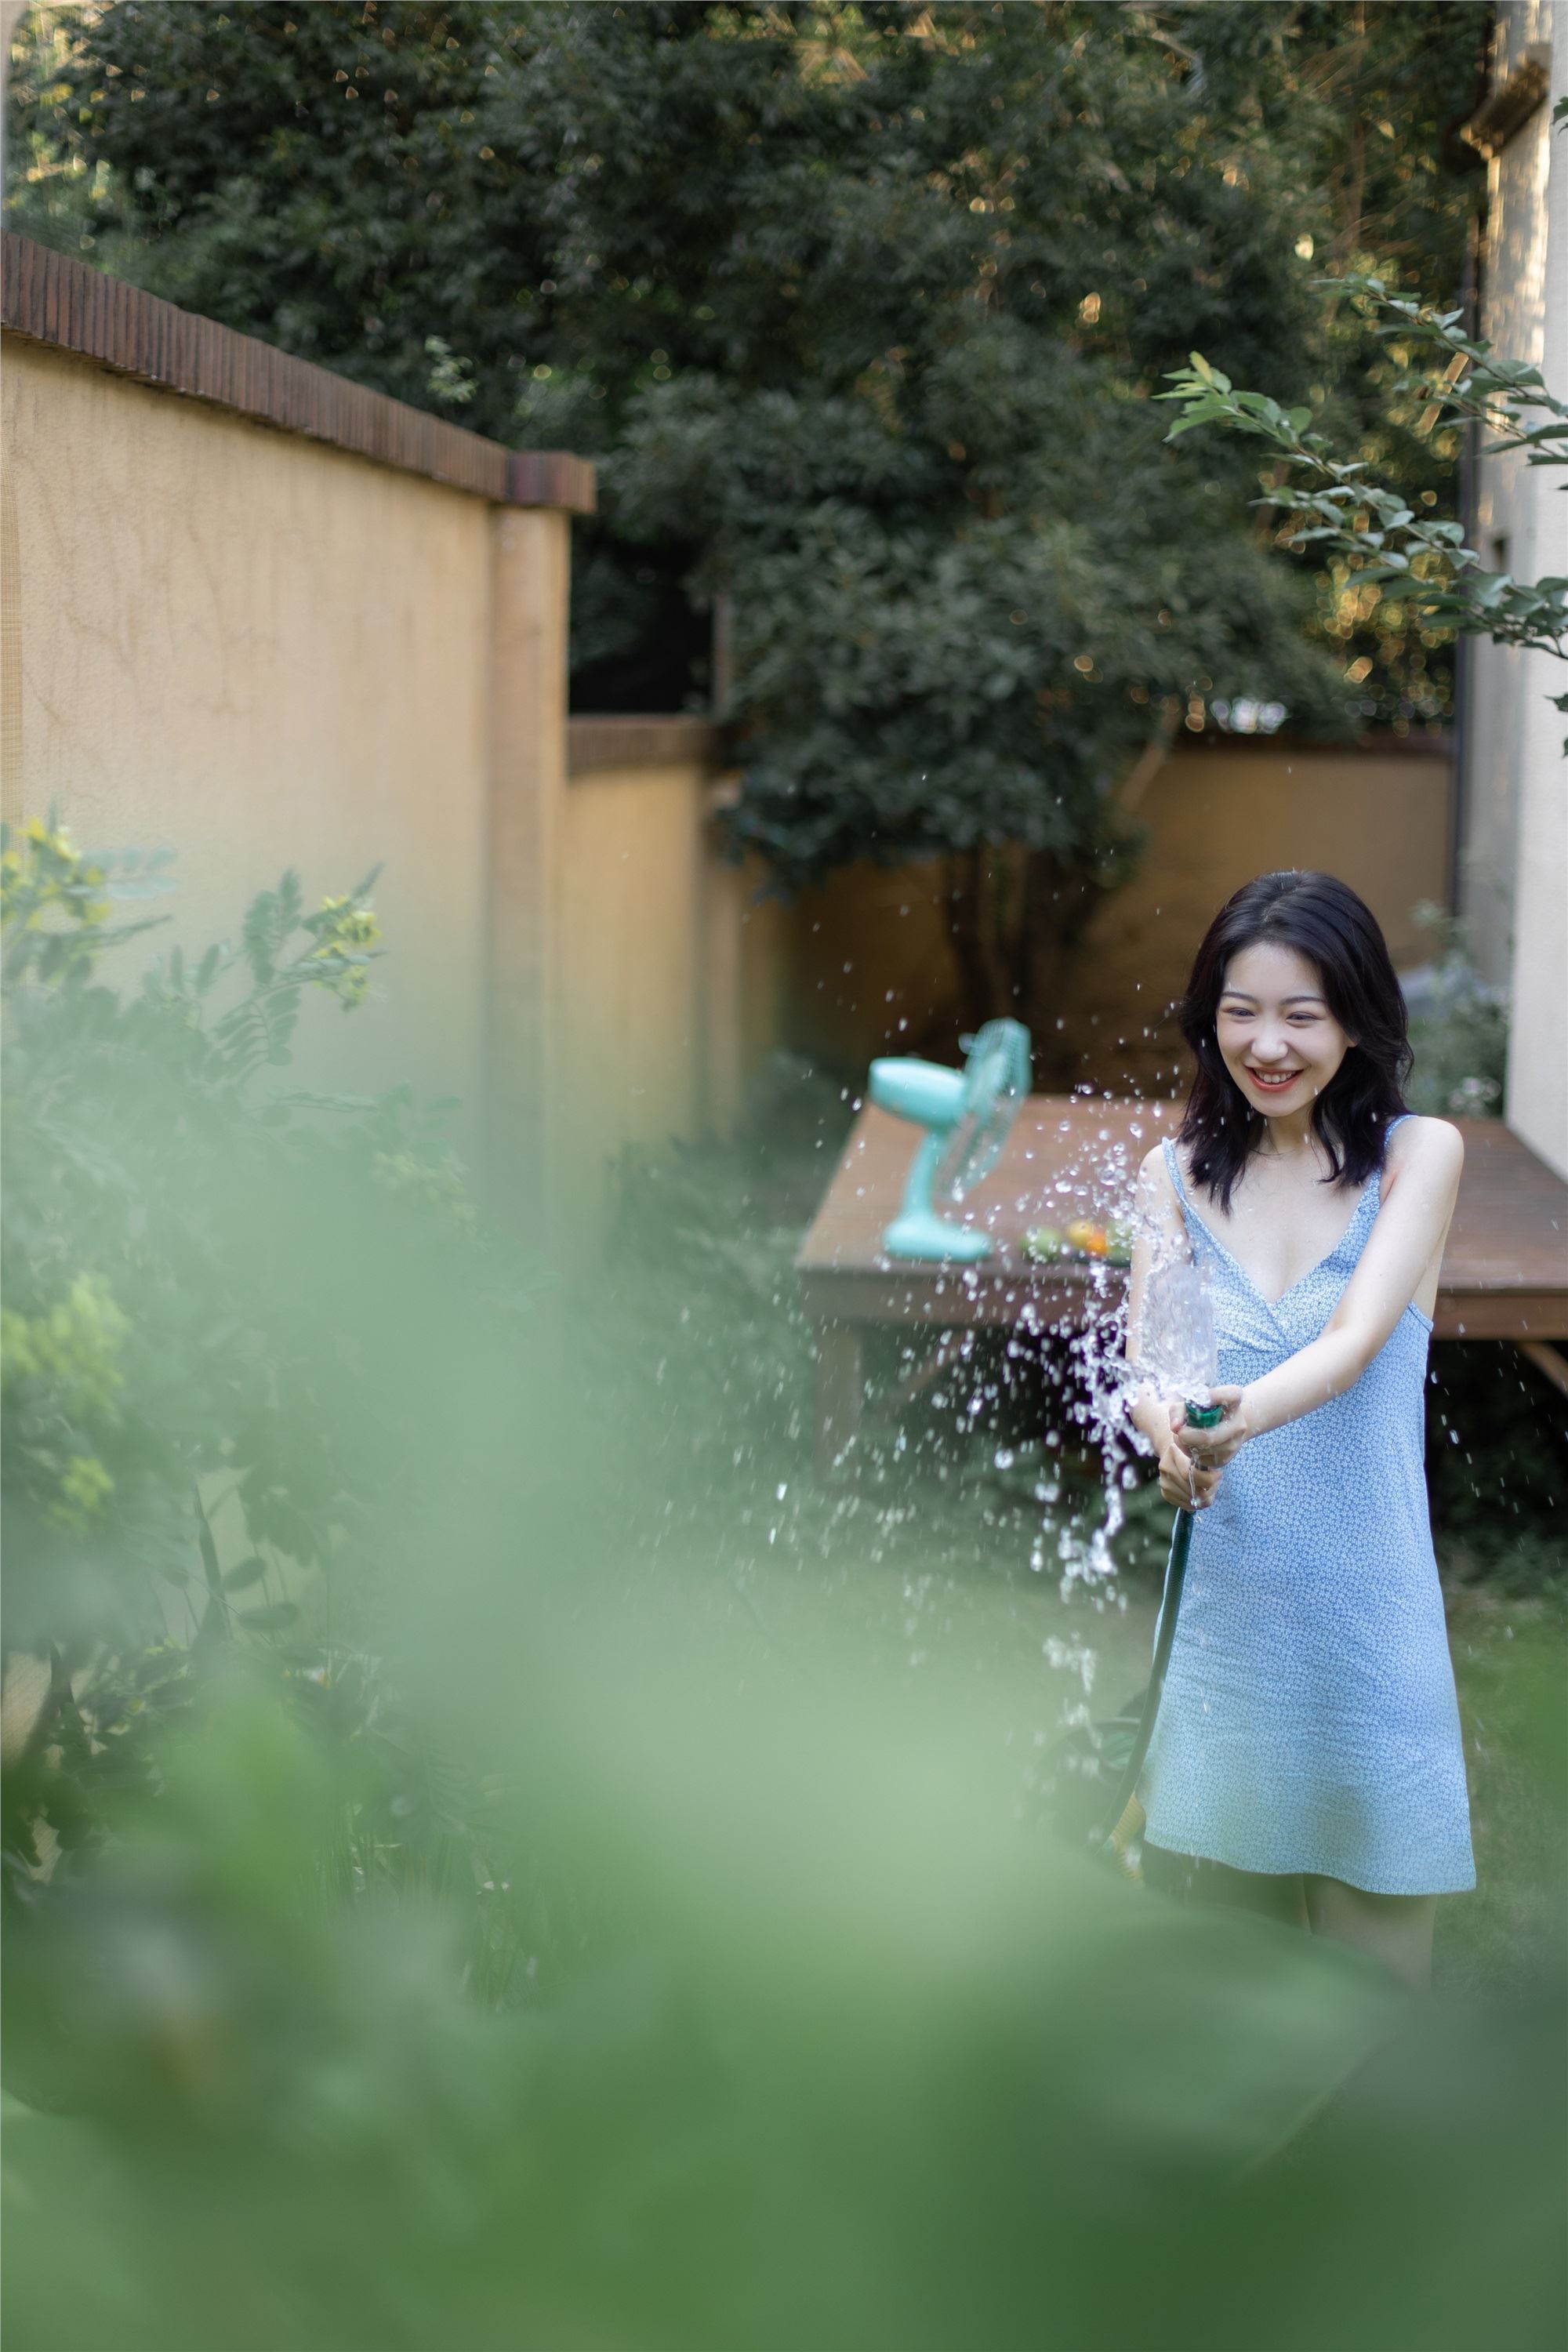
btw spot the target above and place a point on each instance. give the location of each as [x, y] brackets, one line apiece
[966, 1115]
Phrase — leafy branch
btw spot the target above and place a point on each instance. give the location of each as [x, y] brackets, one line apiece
[55, 904]
[54, 907]
[1337, 505]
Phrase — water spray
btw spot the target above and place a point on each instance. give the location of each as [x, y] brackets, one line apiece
[1179, 1351]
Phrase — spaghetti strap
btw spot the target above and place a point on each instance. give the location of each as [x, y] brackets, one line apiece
[1174, 1165]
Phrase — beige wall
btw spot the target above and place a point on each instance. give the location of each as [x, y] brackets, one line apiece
[1514, 861]
[871, 970]
[628, 972]
[1538, 1058]
[669, 967]
[260, 652]
[1513, 317]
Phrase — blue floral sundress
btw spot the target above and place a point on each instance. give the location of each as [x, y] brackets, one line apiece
[1309, 1721]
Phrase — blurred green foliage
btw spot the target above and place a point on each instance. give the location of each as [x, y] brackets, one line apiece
[861, 310]
[1459, 1030]
[1497, 1456]
[144, 1178]
[577, 1925]
[200, 1403]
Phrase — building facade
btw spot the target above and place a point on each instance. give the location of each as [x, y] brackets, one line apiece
[1513, 828]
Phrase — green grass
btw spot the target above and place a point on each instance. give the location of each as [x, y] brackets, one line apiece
[920, 1577]
[1509, 1655]
[919, 1595]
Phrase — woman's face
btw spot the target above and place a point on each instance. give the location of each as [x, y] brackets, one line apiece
[1280, 1041]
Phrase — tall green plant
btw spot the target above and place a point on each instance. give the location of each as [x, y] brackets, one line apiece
[194, 1434]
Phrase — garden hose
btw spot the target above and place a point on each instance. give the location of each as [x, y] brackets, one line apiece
[1128, 1813]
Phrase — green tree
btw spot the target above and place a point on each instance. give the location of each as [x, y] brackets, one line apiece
[862, 311]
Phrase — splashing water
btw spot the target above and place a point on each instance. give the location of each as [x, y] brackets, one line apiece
[1175, 1344]
[1175, 1349]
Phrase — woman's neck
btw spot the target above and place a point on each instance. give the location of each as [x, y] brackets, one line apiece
[1291, 1137]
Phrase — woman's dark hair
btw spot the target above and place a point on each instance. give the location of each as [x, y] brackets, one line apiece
[1324, 920]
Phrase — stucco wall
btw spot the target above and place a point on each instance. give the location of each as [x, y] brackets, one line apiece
[267, 618]
[629, 942]
[261, 652]
[1538, 1064]
[1506, 517]
[668, 965]
[1515, 859]
[872, 970]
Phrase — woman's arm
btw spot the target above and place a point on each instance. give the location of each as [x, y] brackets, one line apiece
[1412, 1224]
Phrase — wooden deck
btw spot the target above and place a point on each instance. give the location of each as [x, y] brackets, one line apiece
[1505, 1272]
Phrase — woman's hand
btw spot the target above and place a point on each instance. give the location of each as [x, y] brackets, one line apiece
[1184, 1483]
[1211, 1449]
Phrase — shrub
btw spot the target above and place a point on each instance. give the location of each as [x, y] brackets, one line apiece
[208, 1285]
[1459, 1030]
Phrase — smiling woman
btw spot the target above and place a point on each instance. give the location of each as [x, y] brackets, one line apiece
[1293, 1007]
[1307, 1757]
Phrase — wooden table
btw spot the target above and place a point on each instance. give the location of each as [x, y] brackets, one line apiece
[1505, 1272]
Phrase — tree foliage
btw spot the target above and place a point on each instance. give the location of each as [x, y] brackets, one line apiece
[862, 311]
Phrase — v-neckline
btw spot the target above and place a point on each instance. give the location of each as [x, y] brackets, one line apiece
[1367, 1189]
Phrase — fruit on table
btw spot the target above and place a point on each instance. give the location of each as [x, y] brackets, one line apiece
[1083, 1237]
[1119, 1241]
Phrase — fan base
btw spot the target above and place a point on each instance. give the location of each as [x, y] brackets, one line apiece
[930, 1237]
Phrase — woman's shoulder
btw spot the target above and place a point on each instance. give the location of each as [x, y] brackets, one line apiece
[1436, 1142]
[1433, 1145]
[1158, 1193]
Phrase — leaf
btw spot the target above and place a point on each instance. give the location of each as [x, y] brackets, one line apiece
[269, 1621]
[245, 1572]
[258, 933]
[1403, 583]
